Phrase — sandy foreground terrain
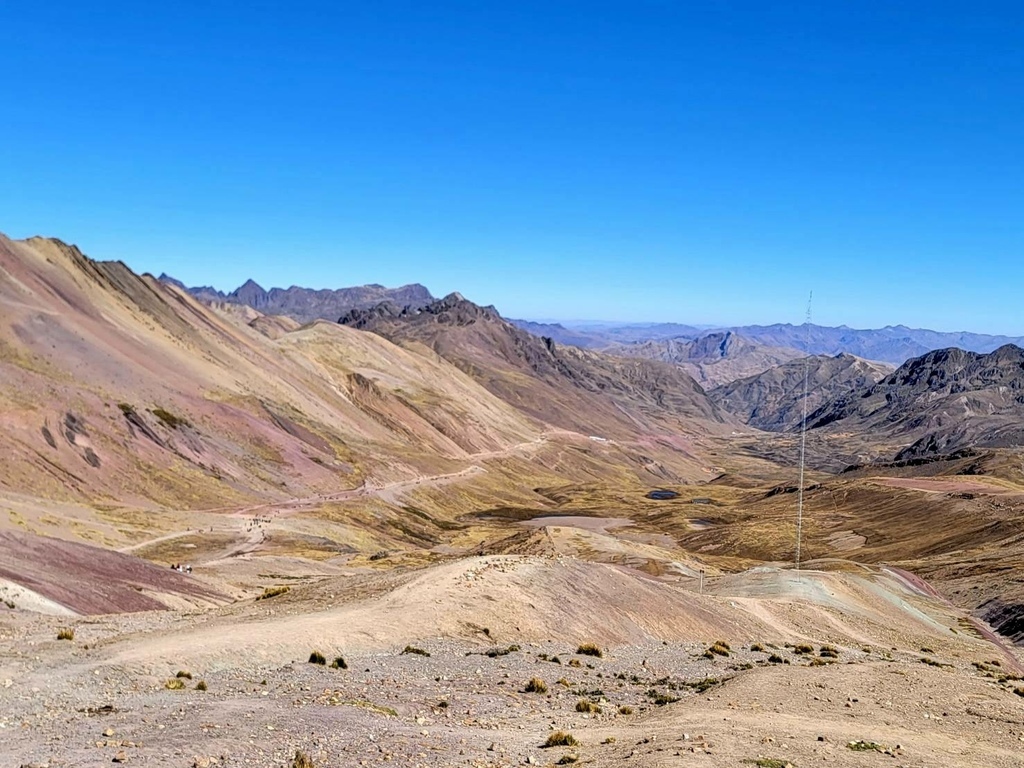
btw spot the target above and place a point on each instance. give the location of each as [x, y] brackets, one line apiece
[904, 678]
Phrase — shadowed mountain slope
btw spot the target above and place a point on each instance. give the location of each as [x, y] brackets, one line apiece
[772, 400]
[940, 402]
[560, 385]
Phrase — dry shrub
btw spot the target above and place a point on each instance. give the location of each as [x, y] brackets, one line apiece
[536, 685]
[317, 658]
[65, 633]
[589, 649]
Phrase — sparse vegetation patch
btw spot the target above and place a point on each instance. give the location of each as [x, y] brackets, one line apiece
[411, 649]
[65, 633]
[865, 746]
[168, 419]
[317, 658]
[270, 592]
[589, 649]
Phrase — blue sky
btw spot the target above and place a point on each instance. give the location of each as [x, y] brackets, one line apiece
[697, 162]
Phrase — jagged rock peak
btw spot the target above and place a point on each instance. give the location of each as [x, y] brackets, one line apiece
[453, 309]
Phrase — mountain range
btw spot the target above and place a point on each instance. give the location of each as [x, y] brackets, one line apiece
[662, 341]
[308, 304]
[892, 344]
[558, 384]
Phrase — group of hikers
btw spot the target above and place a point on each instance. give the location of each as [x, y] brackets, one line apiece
[181, 568]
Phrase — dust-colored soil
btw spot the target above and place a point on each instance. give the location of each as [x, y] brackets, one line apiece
[89, 580]
[655, 699]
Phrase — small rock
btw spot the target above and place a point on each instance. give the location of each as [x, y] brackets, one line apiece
[120, 757]
[109, 732]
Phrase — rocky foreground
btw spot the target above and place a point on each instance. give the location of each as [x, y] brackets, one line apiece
[236, 687]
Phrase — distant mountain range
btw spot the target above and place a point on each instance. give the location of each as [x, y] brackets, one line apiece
[892, 344]
[308, 304]
[713, 359]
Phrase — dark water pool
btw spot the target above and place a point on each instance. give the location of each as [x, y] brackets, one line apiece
[662, 495]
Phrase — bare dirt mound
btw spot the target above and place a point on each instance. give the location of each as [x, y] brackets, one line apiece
[89, 580]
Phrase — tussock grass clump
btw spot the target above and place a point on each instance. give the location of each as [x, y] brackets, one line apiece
[201, 685]
[589, 649]
[270, 592]
[803, 649]
[776, 659]
[184, 674]
[65, 633]
[769, 762]
[567, 760]
[339, 663]
[934, 663]
[175, 684]
[302, 760]
[757, 647]
[575, 663]
[718, 648]
[317, 658]
[926, 649]
[412, 649]
[536, 685]
[560, 739]
[1019, 691]
[588, 707]
[625, 709]
[829, 652]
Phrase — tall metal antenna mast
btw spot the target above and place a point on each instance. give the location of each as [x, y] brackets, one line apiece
[803, 433]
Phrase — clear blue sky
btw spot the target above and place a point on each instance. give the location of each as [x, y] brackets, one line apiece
[700, 162]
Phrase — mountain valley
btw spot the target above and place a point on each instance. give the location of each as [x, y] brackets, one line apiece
[457, 513]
